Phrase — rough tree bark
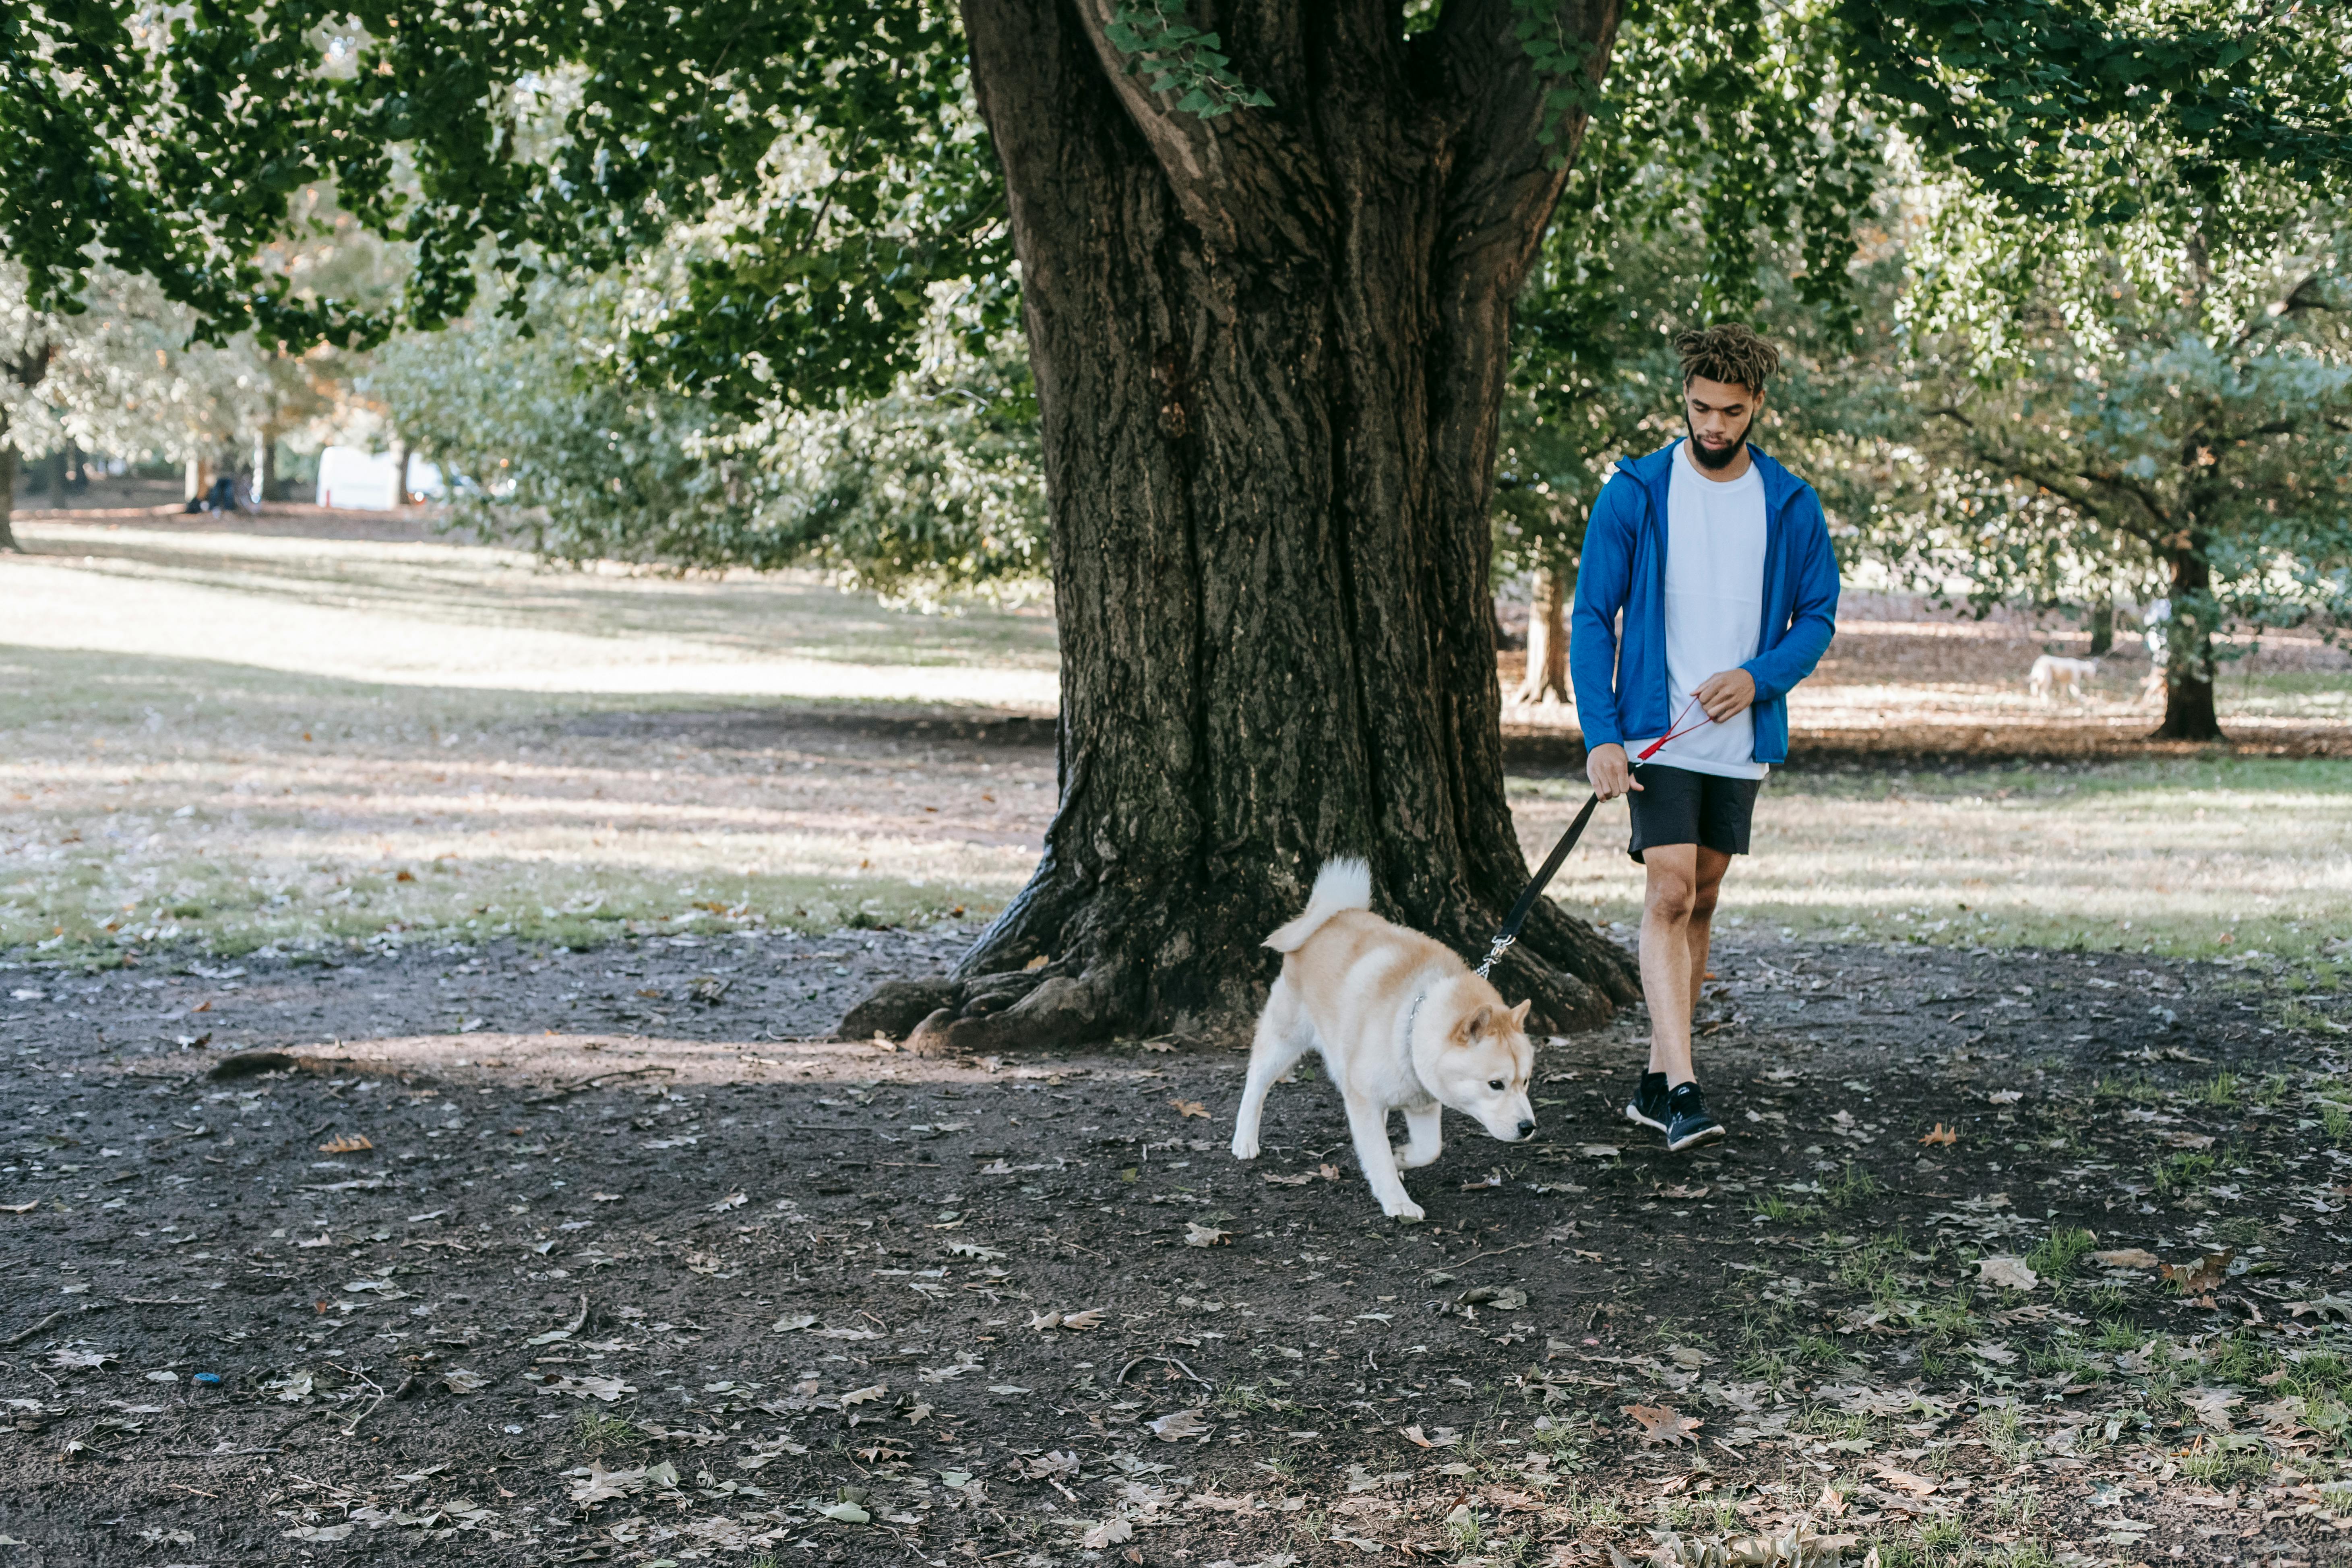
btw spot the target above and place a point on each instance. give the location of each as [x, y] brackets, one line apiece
[2188, 713]
[1269, 350]
[1546, 673]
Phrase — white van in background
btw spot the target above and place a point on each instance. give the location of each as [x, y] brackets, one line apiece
[357, 481]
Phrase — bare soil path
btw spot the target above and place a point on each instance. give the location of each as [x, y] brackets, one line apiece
[530, 1255]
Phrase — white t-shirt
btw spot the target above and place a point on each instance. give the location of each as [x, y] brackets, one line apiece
[1715, 610]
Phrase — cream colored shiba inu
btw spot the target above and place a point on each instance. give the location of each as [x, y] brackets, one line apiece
[1402, 1023]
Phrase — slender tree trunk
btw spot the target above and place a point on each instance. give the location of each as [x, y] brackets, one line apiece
[7, 488]
[2102, 620]
[2188, 713]
[1269, 350]
[1548, 639]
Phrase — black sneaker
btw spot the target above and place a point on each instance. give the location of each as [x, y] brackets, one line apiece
[1648, 1105]
[1688, 1122]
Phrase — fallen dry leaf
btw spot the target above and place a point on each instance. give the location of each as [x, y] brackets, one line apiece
[1189, 1107]
[1443, 1438]
[2212, 1404]
[1199, 1234]
[1939, 1134]
[1684, 1193]
[2202, 1276]
[606, 1389]
[2009, 1273]
[1917, 1486]
[1109, 1532]
[1179, 1425]
[732, 1201]
[2129, 1257]
[351, 1144]
[1663, 1424]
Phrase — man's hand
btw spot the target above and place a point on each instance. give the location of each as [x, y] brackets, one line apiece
[1606, 766]
[1724, 696]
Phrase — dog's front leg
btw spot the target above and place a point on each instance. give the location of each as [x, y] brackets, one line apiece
[1369, 1124]
[1283, 1036]
[1423, 1141]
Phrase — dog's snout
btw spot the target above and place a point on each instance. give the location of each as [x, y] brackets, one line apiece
[1526, 1126]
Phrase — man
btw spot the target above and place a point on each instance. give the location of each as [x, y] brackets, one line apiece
[1719, 560]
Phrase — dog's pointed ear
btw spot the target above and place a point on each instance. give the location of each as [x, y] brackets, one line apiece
[1519, 1013]
[1477, 1023]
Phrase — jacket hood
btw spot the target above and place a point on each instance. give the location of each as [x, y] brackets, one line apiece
[1654, 471]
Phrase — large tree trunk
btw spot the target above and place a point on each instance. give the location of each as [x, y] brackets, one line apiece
[1269, 350]
[1546, 673]
[2188, 713]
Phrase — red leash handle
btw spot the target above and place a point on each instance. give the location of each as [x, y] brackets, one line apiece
[1675, 730]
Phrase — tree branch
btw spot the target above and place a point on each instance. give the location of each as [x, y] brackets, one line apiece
[1503, 187]
[1248, 181]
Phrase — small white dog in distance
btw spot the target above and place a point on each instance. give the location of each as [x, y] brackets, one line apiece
[1402, 1023]
[2051, 675]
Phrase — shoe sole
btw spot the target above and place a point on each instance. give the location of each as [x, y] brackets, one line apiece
[1708, 1136]
[1632, 1114]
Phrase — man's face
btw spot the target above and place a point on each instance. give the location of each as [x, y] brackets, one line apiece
[1719, 414]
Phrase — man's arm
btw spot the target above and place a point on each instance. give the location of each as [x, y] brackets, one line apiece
[1813, 619]
[1603, 571]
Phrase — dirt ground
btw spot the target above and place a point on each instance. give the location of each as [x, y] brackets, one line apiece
[526, 1256]
[540, 889]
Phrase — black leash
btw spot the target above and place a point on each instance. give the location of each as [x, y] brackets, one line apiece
[1534, 889]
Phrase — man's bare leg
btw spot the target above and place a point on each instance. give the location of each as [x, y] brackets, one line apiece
[1677, 921]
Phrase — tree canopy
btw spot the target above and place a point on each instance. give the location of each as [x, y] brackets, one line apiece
[833, 155]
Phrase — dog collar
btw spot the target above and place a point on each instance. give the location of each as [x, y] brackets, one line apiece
[1412, 1014]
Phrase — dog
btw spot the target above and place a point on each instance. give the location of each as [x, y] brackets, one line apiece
[1402, 1023]
[2051, 675]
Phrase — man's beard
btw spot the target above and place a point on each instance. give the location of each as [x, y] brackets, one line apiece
[1723, 460]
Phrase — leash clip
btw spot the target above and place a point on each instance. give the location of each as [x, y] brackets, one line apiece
[1502, 944]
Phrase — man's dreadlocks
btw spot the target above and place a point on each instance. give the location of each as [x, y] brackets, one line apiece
[1729, 353]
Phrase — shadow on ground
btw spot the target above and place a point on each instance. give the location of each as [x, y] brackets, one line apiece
[544, 1256]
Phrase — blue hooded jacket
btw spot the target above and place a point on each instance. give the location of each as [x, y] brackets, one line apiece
[1622, 692]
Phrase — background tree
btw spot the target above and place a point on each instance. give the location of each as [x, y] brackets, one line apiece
[2180, 426]
[931, 488]
[1729, 165]
[1266, 260]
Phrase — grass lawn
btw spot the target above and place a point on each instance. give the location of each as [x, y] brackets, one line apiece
[233, 740]
[2247, 855]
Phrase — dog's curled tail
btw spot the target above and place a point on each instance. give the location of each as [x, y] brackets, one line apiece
[1345, 883]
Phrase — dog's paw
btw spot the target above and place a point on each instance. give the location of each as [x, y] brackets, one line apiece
[1408, 1211]
[1244, 1148]
[1408, 1160]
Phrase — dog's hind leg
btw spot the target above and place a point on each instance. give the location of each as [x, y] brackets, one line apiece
[1369, 1124]
[1284, 1034]
[1423, 1142]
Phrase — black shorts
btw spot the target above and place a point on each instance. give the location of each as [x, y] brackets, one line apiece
[1676, 805]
